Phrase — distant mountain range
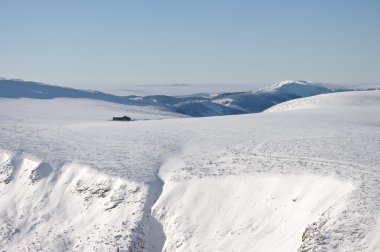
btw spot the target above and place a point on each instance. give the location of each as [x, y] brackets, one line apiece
[211, 105]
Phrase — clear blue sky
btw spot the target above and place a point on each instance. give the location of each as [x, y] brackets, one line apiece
[86, 43]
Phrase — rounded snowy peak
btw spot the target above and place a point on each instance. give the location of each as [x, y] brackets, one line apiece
[287, 82]
[298, 88]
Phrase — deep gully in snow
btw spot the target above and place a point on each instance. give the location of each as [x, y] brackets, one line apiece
[149, 235]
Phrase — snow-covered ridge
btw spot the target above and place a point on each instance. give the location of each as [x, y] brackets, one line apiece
[299, 88]
[287, 82]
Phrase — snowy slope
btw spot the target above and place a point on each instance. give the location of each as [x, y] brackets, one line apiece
[346, 100]
[290, 179]
[63, 209]
[218, 211]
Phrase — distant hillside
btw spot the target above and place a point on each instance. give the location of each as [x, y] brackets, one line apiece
[222, 104]
[36, 90]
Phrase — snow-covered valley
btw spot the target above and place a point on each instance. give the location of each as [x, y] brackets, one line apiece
[303, 175]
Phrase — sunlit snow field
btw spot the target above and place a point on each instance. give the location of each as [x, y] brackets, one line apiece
[303, 175]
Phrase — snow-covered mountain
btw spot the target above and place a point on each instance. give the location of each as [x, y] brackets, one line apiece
[257, 101]
[205, 105]
[303, 176]
[298, 88]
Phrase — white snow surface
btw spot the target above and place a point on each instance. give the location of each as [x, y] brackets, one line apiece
[293, 179]
[350, 100]
[299, 88]
[246, 213]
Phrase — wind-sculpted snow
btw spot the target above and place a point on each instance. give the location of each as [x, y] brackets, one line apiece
[73, 208]
[320, 164]
[246, 212]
